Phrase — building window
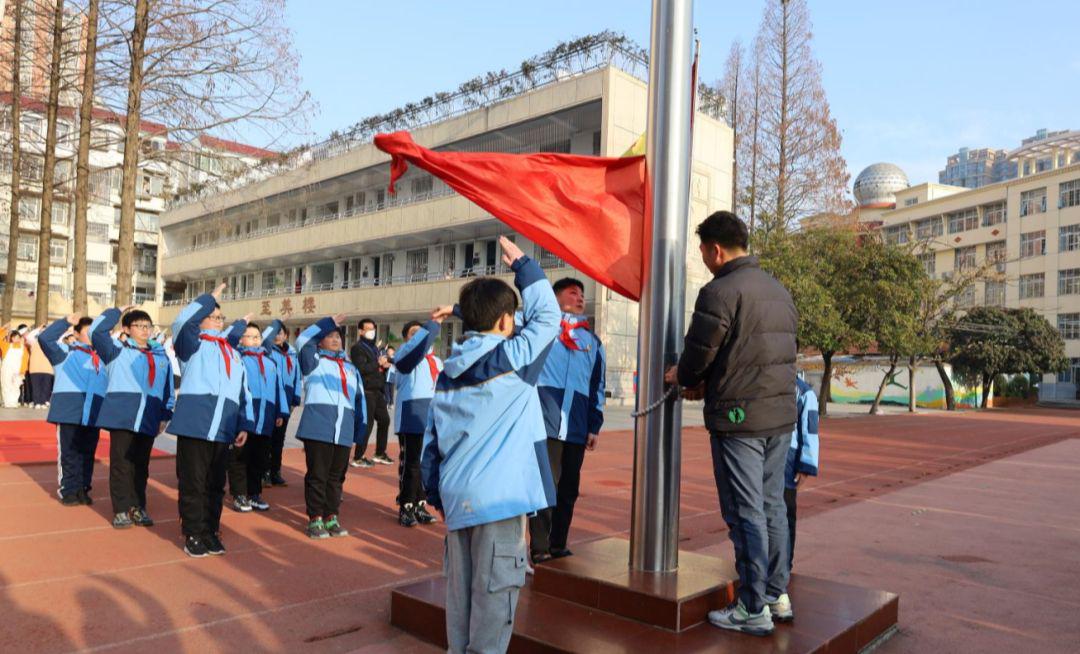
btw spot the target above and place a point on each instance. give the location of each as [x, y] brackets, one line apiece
[1071, 375]
[993, 214]
[1032, 202]
[929, 262]
[1069, 325]
[966, 298]
[997, 253]
[1069, 238]
[27, 248]
[898, 234]
[97, 231]
[96, 267]
[1069, 194]
[1033, 244]
[422, 185]
[1032, 286]
[962, 221]
[416, 262]
[29, 210]
[964, 258]
[994, 295]
[928, 228]
[911, 201]
[60, 215]
[58, 251]
[1069, 281]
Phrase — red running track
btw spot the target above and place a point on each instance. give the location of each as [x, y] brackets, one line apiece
[34, 441]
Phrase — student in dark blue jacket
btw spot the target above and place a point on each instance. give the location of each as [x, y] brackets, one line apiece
[213, 413]
[138, 404]
[270, 406]
[77, 395]
[276, 341]
[334, 417]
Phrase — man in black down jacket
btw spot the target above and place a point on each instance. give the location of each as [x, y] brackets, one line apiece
[372, 366]
[741, 345]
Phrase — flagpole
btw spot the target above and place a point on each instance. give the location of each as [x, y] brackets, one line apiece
[654, 522]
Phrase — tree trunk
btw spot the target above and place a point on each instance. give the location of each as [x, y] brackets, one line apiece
[987, 380]
[950, 396]
[41, 304]
[881, 387]
[126, 247]
[82, 179]
[780, 219]
[826, 384]
[911, 385]
[16, 162]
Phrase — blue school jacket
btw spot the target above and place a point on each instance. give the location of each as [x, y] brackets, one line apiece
[287, 361]
[413, 380]
[571, 386]
[485, 454]
[139, 395]
[334, 407]
[80, 378]
[803, 454]
[214, 402]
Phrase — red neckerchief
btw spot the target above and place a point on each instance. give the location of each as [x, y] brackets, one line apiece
[344, 380]
[433, 366]
[93, 355]
[565, 337]
[226, 350]
[259, 353]
[284, 347]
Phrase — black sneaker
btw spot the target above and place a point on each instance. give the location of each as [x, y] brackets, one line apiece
[277, 480]
[71, 499]
[122, 521]
[256, 502]
[139, 517]
[560, 553]
[334, 528]
[422, 516]
[266, 480]
[84, 497]
[240, 504]
[214, 545]
[316, 529]
[407, 516]
[383, 459]
[540, 557]
[195, 548]
[362, 462]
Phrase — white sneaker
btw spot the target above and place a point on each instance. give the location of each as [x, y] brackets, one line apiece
[737, 618]
[781, 609]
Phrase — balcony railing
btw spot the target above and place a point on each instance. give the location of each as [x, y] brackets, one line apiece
[371, 282]
[396, 201]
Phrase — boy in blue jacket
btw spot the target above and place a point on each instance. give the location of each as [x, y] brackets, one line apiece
[571, 390]
[270, 406]
[276, 341]
[416, 368]
[334, 416]
[485, 461]
[76, 399]
[213, 413]
[138, 404]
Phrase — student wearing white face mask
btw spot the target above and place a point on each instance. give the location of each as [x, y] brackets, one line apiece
[372, 366]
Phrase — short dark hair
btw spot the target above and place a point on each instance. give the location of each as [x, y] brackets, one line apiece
[724, 229]
[567, 282]
[135, 314]
[363, 321]
[22, 326]
[409, 325]
[83, 323]
[253, 324]
[483, 301]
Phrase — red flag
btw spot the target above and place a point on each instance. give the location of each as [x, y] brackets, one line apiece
[588, 211]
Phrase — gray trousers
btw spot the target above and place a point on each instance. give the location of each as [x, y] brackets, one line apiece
[750, 481]
[485, 570]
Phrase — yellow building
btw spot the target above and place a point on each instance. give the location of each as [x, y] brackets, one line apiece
[319, 235]
[1029, 227]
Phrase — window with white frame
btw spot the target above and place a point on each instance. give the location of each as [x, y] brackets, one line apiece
[993, 214]
[1069, 238]
[60, 212]
[1033, 244]
[964, 258]
[28, 246]
[928, 228]
[58, 251]
[1069, 281]
[1069, 194]
[898, 234]
[416, 262]
[96, 267]
[1069, 325]
[962, 221]
[966, 297]
[994, 293]
[1033, 201]
[911, 202]
[929, 262]
[997, 253]
[1032, 286]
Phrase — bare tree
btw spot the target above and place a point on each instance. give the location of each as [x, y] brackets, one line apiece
[82, 174]
[41, 304]
[803, 169]
[732, 88]
[16, 162]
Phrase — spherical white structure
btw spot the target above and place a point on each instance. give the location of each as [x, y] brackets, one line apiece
[877, 184]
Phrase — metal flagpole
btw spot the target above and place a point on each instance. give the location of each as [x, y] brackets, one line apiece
[654, 527]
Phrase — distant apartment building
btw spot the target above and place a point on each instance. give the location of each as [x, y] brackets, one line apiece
[977, 167]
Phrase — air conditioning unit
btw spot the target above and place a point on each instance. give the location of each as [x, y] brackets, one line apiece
[947, 275]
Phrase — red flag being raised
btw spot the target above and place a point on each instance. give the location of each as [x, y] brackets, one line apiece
[588, 211]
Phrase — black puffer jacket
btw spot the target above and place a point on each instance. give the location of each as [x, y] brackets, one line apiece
[741, 341]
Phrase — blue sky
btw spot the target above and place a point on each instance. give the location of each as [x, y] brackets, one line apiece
[908, 82]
